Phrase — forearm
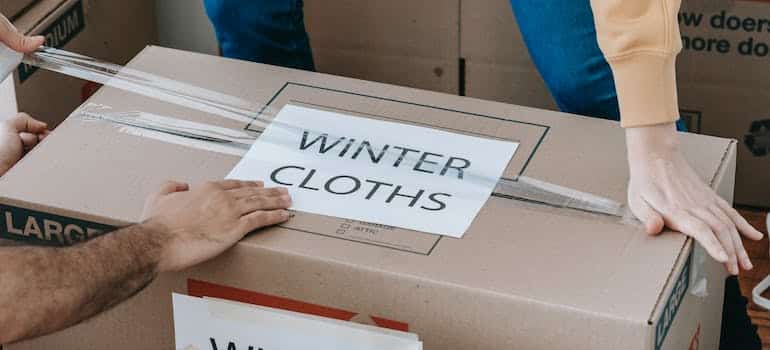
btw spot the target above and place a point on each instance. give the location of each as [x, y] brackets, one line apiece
[651, 142]
[43, 290]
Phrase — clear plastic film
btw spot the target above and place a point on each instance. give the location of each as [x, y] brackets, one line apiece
[237, 142]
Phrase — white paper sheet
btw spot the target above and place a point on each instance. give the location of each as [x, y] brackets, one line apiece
[206, 324]
[449, 176]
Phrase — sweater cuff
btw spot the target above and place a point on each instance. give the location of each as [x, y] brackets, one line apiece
[646, 88]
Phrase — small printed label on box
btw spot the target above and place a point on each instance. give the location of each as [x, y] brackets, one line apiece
[42, 228]
[58, 34]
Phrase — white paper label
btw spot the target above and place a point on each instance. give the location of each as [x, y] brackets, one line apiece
[382, 172]
[205, 324]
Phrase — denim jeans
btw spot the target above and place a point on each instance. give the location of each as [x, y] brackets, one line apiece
[264, 31]
[561, 39]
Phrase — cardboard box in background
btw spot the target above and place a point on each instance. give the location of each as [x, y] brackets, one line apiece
[497, 63]
[524, 276]
[402, 42]
[11, 8]
[109, 30]
[724, 84]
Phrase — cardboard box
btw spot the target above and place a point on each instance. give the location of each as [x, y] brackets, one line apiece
[110, 30]
[408, 43]
[524, 276]
[12, 8]
[497, 62]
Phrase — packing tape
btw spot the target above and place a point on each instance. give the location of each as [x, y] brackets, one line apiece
[236, 142]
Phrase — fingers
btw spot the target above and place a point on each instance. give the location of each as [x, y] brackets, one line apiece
[11, 37]
[263, 218]
[652, 220]
[24, 123]
[740, 250]
[29, 140]
[743, 226]
[170, 187]
[689, 225]
[243, 192]
[724, 232]
[743, 256]
[233, 184]
[265, 199]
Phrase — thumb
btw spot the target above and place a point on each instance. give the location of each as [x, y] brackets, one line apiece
[652, 220]
[15, 40]
[170, 187]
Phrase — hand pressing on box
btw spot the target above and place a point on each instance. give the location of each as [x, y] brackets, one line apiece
[11, 37]
[46, 289]
[17, 136]
[200, 223]
[665, 191]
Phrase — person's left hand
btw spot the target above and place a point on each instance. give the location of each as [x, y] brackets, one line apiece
[17, 136]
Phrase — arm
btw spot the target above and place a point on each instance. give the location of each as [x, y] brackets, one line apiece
[640, 40]
[47, 289]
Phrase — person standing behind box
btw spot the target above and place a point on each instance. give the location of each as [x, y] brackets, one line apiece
[41, 293]
[600, 58]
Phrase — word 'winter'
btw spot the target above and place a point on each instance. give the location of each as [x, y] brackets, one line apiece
[427, 162]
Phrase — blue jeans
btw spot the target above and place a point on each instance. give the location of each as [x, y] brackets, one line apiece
[560, 35]
[264, 31]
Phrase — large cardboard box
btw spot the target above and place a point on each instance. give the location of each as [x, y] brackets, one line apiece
[111, 30]
[524, 276]
[11, 8]
[403, 42]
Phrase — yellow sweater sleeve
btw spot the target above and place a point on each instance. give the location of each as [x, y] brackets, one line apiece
[640, 40]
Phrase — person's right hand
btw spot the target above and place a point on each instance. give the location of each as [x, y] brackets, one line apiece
[11, 37]
[200, 223]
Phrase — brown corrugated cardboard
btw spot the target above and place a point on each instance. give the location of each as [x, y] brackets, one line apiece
[409, 43]
[11, 8]
[722, 72]
[111, 30]
[524, 276]
[720, 93]
[497, 63]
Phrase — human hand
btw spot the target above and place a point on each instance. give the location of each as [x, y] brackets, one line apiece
[200, 223]
[17, 136]
[665, 191]
[11, 37]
